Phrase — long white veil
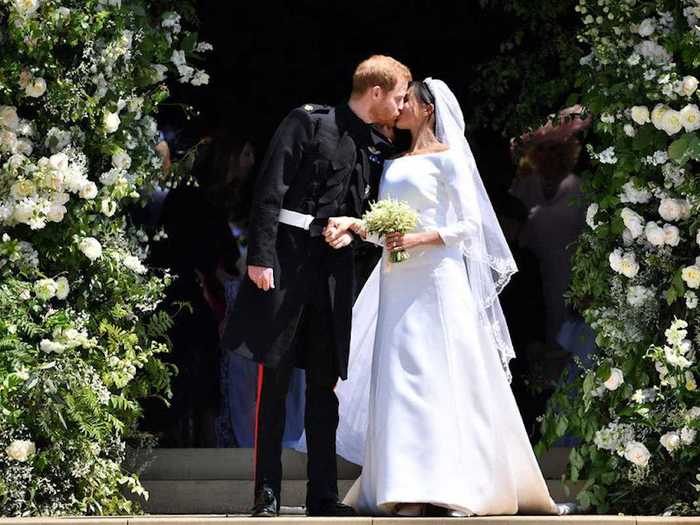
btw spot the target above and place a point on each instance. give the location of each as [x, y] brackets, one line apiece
[488, 262]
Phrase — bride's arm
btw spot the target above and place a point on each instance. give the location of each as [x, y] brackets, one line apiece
[461, 196]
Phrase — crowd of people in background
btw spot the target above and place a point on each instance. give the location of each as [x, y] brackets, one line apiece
[541, 212]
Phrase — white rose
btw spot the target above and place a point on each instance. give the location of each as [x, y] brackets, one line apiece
[20, 450]
[91, 248]
[45, 289]
[670, 441]
[640, 115]
[629, 267]
[688, 435]
[670, 209]
[591, 213]
[629, 130]
[111, 121]
[615, 259]
[62, 288]
[637, 453]
[121, 160]
[690, 117]
[671, 235]
[89, 190]
[615, 380]
[36, 88]
[689, 85]
[646, 27]
[691, 276]
[672, 122]
[22, 188]
[134, 264]
[657, 115]
[108, 207]
[8, 117]
[633, 221]
[654, 234]
[56, 212]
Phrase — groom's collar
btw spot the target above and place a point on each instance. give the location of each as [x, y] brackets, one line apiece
[363, 133]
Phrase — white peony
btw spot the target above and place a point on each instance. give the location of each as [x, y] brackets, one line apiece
[671, 234]
[654, 234]
[91, 248]
[689, 85]
[56, 212]
[111, 121]
[45, 289]
[20, 450]
[640, 115]
[62, 288]
[36, 88]
[8, 118]
[615, 380]
[633, 221]
[121, 160]
[615, 259]
[671, 441]
[671, 210]
[629, 267]
[691, 276]
[690, 117]
[672, 122]
[59, 162]
[89, 190]
[657, 115]
[637, 453]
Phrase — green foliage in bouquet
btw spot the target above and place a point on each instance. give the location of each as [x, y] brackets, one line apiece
[390, 216]
[635, 407]
[80, 333]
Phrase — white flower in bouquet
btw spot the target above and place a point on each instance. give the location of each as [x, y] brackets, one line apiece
[171, 21]
[653, 52]
[632, 194]
[690, 383]
[8, 141]
[657, 115]
[91, 248]
[108, 207]
[688, 435]
[691, 276]
[186, 73]
[671, 210]
[638, 295]
[629, 130]
[672, 122]
[615, 380]
[58, 162]
[111, 121]
[671, 441]
[202, 47]
[607, 118]
[45, 289]
[675, 358]
[654, 234]
[56, 212]
[607, 156]
[677, 332]
[200, 78]
[22, 188]
[36, 88]
[644, 395]
[178, 58]
[691, 300]
[159, 72]
[615, 259]
[134, 264]
[89, 190]
[672, 235]
[693, 413]
[637, 453]
[62, 288]
[640, 115]
[646, 27]
[629, 267]
[23, 147]
[20, 450]
[690, 117]
[49, 346]
[633, 221]
[27, 8]
[121, 160]
[111, 177]
[689, 85]
[57, 140]
[591, 213]
[8, 118]
[390, 216]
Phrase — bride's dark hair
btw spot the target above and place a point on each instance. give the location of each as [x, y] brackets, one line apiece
[425, 96]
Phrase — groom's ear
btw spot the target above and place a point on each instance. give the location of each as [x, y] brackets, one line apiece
[377, 92]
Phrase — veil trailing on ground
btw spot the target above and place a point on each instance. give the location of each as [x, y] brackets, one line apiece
[488, 259]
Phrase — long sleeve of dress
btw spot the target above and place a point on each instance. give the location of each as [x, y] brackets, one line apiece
[463, 217]
[279, 168]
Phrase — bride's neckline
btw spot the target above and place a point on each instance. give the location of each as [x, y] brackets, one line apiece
[427, 153]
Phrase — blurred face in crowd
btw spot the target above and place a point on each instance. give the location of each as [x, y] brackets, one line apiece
[386, 105]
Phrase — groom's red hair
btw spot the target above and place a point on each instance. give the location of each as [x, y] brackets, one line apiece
[378, 70]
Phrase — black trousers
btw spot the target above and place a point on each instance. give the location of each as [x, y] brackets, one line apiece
[315, 348]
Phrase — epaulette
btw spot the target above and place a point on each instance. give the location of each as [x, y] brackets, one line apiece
[316, 108]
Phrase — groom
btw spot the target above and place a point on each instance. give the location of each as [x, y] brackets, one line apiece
[295, 309]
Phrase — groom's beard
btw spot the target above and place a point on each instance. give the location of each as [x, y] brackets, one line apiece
[383, 115]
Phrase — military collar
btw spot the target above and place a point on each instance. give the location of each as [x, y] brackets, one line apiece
[358, 128]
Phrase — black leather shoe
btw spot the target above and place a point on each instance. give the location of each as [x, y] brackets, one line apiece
[332, 509]
[266, 504]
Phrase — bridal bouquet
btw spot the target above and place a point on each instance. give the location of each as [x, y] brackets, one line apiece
[390, 216]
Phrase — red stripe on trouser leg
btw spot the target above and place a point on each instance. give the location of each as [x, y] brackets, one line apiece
[261, 369]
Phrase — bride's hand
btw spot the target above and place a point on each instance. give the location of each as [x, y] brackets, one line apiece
[395, 242]
[339, 226]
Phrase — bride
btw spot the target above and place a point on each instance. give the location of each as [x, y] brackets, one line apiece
[435, 426]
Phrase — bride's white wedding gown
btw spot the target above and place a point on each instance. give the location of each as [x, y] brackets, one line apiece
[441, 423]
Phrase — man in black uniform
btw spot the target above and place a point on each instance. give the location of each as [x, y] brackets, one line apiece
[296, 307]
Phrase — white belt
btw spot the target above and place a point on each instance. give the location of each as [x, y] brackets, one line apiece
[294, 218]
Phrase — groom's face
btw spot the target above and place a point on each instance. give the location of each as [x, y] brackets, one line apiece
[387, 105]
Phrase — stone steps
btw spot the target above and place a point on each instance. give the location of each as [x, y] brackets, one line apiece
[220, 481]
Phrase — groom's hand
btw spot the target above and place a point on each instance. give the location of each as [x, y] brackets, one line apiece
[262, 277]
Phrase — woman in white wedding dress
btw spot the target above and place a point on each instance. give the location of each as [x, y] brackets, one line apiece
[435, 425]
